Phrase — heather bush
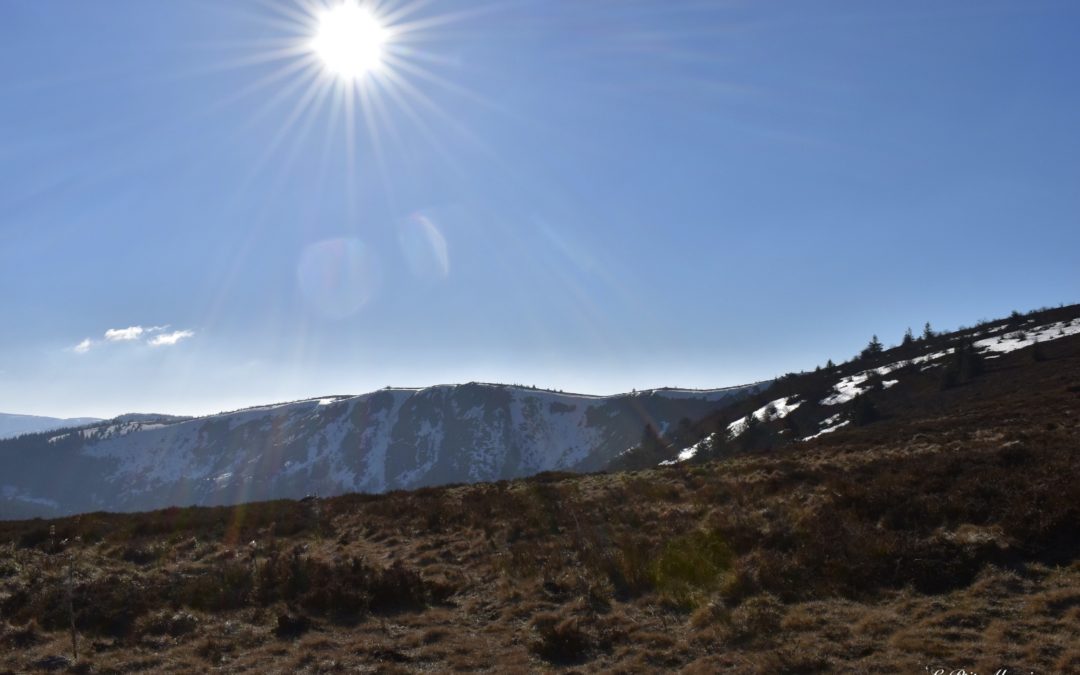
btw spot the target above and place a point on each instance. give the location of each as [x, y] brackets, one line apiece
[559, 639]
[691, 566]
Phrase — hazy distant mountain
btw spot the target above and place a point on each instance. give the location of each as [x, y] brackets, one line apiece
[14, 425]
[385, 440]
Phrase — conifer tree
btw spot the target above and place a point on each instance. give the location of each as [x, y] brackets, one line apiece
[874, 348]
[908, 338]
[927, 332]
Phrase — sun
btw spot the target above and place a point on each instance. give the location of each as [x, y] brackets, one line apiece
[350, 40]
[361, 66]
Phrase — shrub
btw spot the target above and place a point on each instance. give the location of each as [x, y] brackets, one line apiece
[690, 566]
[757, 619]
[291, 626]
[22, 638]
[625, 562]
[165, 622]
[559, 640]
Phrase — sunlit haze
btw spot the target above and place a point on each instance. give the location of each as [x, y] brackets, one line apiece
[210, 205]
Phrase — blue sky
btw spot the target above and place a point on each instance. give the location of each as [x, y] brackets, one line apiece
[593, 196]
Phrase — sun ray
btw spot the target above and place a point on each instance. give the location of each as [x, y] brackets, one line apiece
[349, 115]
[288, 12]
[371, 107]
[299, 108]
[276, 23]
[425, 129]
[425, 74]
[299, 79]
[441, 20]
[358, 60]
[384, 115]
[311, 115]
[398, 10]
[411, 89]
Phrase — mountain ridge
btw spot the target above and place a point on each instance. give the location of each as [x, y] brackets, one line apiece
[393, 438]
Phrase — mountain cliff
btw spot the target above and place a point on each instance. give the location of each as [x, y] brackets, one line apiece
[377, 442]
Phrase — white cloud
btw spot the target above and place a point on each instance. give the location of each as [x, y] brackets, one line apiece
[169, 339]
[124, 334]
[136, 334]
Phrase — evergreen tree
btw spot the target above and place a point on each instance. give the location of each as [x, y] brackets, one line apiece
[830, 365]
[927, 331]
[873, 349]
[908, 338]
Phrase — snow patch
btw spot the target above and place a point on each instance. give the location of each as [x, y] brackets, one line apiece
[851, 386]
[686, 454]
[774, 410]
[827, 430]
[1009, 342]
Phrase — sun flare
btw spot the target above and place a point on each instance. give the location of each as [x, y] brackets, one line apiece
[350, 40]
[364, 67]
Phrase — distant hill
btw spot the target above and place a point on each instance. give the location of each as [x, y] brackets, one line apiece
[14, 425]
[386, 440]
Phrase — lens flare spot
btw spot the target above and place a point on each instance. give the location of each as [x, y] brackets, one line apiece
[424, 248]
[337, 277]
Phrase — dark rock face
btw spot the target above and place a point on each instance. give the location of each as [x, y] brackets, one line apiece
[386, 440]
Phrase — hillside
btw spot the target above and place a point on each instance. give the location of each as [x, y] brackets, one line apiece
[386, 440]
[877, 385]
[940, 535]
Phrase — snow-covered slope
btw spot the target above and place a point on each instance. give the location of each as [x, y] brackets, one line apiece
[15, 425]
[385, 440]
